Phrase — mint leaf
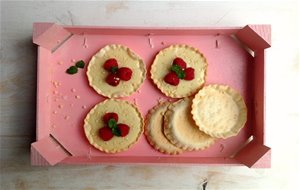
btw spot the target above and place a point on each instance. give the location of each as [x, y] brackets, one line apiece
[112, 123]
[72, 70]
[114, 69]
[116, 131]
[178, 70]
[181, 74]
[80, 64]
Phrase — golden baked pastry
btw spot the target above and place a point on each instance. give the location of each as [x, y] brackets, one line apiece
[154, 130]
[219, 111]
[125, 57]
[180, 128]
[127, 114]
[162, 66]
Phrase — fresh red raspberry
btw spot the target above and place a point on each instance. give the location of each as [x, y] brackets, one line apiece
[189, 73]
[124, 73]
[172, 79]
[124, 129]
[180, 62]
[110, 63]
[110, 115]
[106, 133]
[112, 79]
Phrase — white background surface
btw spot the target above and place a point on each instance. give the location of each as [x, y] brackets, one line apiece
[18, 80]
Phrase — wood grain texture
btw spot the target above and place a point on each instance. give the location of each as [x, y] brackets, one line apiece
[18, 88]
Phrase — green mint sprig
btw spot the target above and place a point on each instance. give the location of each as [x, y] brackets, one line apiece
[74, 69]
[80, 64]
[112, 123]
[114, 127]
[179, 72]
[114, 69]
[116, 131]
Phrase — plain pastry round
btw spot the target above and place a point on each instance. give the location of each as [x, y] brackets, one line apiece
[154, 130]
[181, 130]
[126, 58]
[128, 114]
[162, 65]
[219, 111]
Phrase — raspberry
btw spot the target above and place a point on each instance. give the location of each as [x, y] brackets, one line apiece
[172, 79]
[110, 63]
[124, 129]
[124, 73]
[110, 115]
[112, 79]
[106, 133]
[189, 73]
[180, 62]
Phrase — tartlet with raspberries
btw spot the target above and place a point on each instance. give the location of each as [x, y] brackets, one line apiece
[116, 71]
[113, 125]
[179, 71]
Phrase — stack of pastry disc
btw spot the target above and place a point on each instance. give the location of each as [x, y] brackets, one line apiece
[171, 129]
[196, 121]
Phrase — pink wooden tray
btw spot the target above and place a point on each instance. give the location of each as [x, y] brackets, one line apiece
[235, 57]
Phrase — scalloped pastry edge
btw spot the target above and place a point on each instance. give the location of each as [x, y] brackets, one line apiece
[173, 94]
[172, 138]
[132, 54]
[147, 131]
[237, 97]
[87, 127]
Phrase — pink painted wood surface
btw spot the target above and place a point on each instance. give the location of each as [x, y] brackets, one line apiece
[149, 160]
[264, 31]
[70, 133]
[39, 29]
[43, 94]
[253, 153]
[49, 38]
[37, 159]
[256, 37]
[264, 161]
[50, 150]
[259, 97]
[152, 31]
[229, 64]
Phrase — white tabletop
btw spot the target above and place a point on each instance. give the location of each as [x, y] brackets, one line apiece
[18, 84]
